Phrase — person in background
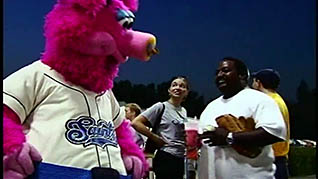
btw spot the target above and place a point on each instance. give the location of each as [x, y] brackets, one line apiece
[220, 157]
[168, 162]
[267, 81]
[132, 110]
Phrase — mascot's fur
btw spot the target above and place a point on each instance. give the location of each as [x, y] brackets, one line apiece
[86, 41]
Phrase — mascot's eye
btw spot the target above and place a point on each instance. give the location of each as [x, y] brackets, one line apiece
[131, 15]
[126, 23]
[125, 18]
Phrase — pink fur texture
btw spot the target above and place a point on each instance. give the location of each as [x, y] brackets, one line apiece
[86, 42]
[14, 137]
[132, 4]
[20, 163]
[91, 6]
[69, 29]
[92, 73]
[128, 146]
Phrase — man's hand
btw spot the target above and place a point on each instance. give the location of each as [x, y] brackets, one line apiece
[19, 164]
[215, 138]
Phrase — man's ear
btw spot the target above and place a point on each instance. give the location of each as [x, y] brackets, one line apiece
[243, 77]
[259, 83]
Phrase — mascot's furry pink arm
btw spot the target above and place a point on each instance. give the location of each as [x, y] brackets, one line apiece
[60, 110]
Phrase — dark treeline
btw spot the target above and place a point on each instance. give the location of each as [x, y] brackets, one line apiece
[302, 112]
[147, 95]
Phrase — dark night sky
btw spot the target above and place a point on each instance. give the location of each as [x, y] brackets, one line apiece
[192, 38]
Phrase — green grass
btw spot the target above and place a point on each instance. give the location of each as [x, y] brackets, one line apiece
[302, 161]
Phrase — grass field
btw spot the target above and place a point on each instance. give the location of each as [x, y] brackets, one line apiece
[302, 161]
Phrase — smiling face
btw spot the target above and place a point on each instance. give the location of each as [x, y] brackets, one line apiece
[179, 88]
[228, 79]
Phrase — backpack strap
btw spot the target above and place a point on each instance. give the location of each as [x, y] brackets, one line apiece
[158, 120]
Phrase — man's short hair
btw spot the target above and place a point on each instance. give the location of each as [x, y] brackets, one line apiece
[269, 78]
[240, 66]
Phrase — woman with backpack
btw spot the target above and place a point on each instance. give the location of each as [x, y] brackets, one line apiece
[167, 122]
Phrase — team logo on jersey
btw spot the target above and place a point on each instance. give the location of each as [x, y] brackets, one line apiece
[84, 130]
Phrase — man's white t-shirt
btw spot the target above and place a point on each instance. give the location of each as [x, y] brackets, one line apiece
[68, 125]
[223, 161]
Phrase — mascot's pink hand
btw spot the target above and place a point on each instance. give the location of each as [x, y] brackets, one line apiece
[11, 174]
[20, 162]
[131, 150]
[135, 165]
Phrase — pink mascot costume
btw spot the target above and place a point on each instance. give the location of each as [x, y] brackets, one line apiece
[61, 119]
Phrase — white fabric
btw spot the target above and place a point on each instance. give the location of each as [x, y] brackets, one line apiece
[65, 122]
[225, 162]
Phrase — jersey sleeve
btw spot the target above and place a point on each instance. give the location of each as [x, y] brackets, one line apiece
[269, 117]
[20, 91]
[152, 113]
[118, 113]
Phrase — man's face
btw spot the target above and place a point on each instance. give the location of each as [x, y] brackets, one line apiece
[227, 79]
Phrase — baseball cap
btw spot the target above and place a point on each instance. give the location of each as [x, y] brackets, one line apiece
[270, 78]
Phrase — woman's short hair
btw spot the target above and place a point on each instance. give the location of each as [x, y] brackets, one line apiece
[134, 107]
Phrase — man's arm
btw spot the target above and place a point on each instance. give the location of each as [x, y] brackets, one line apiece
[258, 137]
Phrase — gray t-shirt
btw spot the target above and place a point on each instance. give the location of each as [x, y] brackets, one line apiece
[171, 126]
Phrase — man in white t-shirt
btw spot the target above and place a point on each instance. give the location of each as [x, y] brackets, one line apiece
[218, 158]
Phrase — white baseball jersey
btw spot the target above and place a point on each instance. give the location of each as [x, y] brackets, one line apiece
[68, 125]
